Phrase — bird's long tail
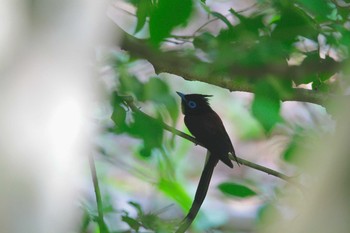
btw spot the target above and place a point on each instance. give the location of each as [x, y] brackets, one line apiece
[201, 193]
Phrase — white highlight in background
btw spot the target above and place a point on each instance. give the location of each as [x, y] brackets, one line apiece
[46, 86]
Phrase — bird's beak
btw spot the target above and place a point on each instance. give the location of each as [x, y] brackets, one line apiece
[181, 95]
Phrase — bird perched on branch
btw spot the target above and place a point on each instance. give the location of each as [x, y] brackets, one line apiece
[206, 126]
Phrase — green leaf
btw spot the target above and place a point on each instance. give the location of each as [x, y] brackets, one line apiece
[118, 117]
[156, 224]
[144, 10]
[137, 206]
[205, 41]
[319, 85]
[289, 154]
[130, 84]
[149, 130]
[158, 91]
[266, 105]
[205, 7]
[250, 24]
[246, 34]
[151, 221]
[320, 9]
[86, 219]
[293, 23]
[167, 15]
[134, 224]
[236, 190]
[320, 74]
[265, 212]
[175, 191]
[296, 144]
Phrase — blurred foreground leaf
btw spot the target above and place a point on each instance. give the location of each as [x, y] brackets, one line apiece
[118, 117]
[175, 191]
[133, 223]
[149, 221]
[166, 16]
[158, 91]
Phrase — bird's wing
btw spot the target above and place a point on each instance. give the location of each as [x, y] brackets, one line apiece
[206, 128]
[210, 131]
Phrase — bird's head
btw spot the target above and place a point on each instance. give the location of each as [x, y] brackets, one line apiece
[192, 104]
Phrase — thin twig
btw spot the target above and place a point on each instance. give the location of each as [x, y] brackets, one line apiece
[130, 103]
[269, 171]
[101, 222]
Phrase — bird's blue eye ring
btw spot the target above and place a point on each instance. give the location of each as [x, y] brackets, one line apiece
[192, 104]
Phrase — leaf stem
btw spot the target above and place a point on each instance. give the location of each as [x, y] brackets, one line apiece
[100, 218]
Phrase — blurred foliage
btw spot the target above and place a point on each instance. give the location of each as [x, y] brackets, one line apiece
[166, 15]
[138, 125]
[270, 48]
[149, 221]
[259, 46]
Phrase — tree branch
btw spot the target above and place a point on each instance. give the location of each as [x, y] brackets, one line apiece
[129, 101]
[174, 63]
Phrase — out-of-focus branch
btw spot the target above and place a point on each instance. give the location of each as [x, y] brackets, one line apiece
[341, 3]
[174, 63]
[100, 218]
[129, 101]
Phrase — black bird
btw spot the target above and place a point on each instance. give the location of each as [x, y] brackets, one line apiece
[207, 127]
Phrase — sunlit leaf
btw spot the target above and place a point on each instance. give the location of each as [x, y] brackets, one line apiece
[236, 190]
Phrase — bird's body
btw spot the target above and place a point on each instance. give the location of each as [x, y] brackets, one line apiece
[208, 129]
[211, 134]
[206, 126]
